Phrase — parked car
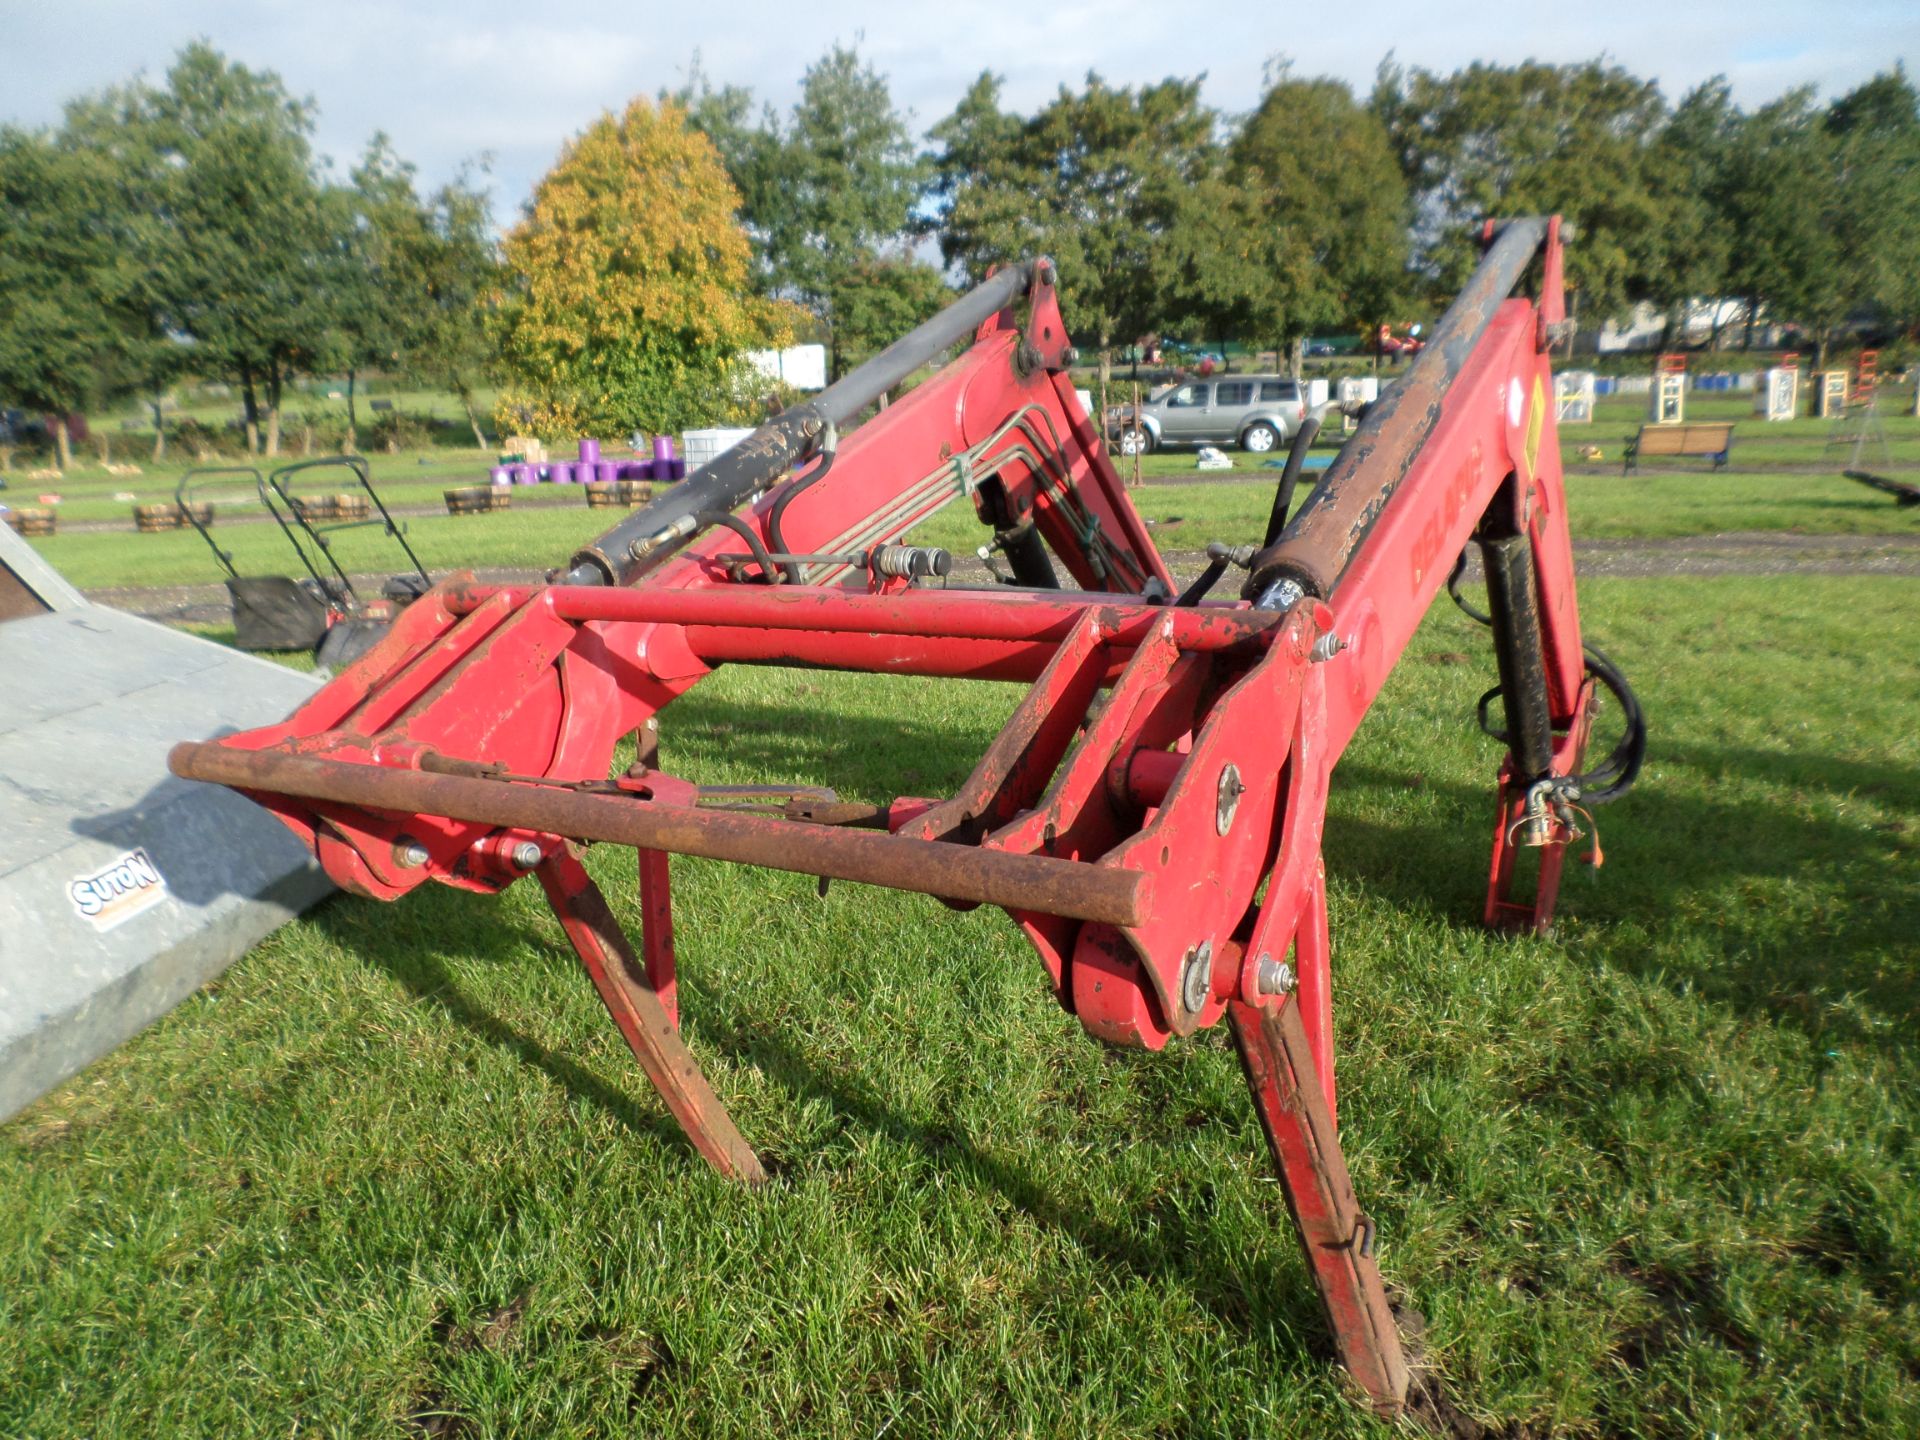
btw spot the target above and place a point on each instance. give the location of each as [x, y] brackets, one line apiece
[1258, 413]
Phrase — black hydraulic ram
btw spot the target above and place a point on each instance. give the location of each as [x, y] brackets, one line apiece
[655, 531]
[1514, 613]
[1318, 544]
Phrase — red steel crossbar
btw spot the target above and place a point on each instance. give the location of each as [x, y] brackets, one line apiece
[1150, 816]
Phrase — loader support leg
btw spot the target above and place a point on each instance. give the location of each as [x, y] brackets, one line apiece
[1337, 1238]
[656, 929]
[649, 1029]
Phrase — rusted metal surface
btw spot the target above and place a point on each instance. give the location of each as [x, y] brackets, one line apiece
[650, 1029]
[1321, 540]
[1025, 882]
[1335, 1236]
[923, 614]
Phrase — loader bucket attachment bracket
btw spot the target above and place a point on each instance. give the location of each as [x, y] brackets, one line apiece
[1151, 814]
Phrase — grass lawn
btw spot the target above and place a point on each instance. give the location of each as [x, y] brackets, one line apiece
[548, 522]
[1651, 1175]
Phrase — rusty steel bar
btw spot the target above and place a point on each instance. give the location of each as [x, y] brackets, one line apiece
[1336, 1237]
[1313, 552]
[1068, 888]
[931, 614]
[647, 1023]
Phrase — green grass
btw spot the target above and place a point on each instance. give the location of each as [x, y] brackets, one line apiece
[1649, 1176]
[549, 522]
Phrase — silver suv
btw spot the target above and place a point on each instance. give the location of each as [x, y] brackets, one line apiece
[1256, 412]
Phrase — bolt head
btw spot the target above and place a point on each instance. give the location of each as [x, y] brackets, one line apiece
[411, 854]
[528, 854]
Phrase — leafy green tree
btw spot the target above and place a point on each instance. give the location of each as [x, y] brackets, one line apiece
[826, 194]
[238, 245]
[51, 318]
[1491, 140]
[1874, 131]
[1690, 174]
[1779, 199]
[419, 274]
[1303, 229]
[626, 299]
[1099, 179]
[878, 300]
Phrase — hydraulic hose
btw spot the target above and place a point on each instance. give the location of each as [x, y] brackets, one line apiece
[1303, 439]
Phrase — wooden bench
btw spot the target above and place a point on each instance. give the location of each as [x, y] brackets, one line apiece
[1713, 441]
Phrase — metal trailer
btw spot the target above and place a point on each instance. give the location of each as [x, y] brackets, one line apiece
[1150, 816]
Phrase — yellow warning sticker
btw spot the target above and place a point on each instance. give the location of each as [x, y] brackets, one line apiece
[1536, 422]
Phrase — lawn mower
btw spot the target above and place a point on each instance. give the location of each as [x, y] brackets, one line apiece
[321, 611]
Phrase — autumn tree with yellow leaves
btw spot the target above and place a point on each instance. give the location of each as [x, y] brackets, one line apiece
[628, 303]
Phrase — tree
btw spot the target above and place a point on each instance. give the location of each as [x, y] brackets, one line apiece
[1532, 139]
[827, 194]
[1304, 228]
[50, 320]
[1097, 179]
[240, 249]
[1690, 174]
[419, 274]
[878, 300]
[1779, 199]
[626, 300]
[1875, 134]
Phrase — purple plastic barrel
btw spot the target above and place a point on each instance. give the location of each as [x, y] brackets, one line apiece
[589, 451]
[560, 473]
[523, 474]
[676, 470]
[500, 475]
[605, 471]
[662, 448]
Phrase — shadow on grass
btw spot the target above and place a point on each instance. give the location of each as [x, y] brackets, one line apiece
[1181, 1243]
[1670, 845]
[422, 974]
[1173, 1244]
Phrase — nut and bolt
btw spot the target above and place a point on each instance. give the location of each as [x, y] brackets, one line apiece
[1273, 977]
[410, 854]
[1196, 984]
[1327, 646]
[528, 854]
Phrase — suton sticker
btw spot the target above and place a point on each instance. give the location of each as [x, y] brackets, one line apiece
[118, 890]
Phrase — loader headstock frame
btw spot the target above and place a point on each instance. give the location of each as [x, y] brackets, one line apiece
[1150, 815]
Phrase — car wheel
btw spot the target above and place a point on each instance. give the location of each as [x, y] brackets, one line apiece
[1137, 441]
[1260, 438]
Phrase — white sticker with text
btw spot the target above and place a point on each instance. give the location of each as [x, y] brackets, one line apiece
[118, 891]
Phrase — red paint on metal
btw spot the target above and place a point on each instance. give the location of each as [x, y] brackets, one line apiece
[1150, 815]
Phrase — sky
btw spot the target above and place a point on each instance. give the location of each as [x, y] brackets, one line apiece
[451, 80]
